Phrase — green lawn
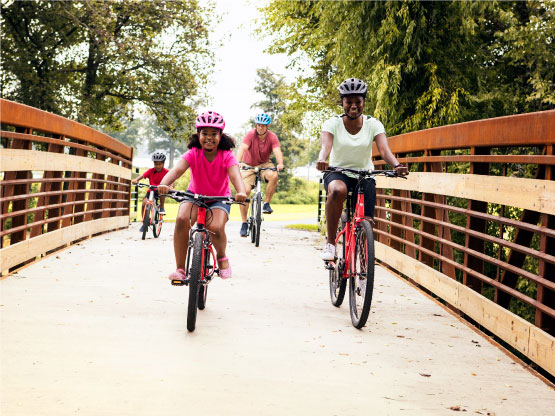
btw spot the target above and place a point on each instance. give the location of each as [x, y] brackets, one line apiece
[282, 212]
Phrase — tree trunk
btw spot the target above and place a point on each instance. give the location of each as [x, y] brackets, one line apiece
[172, 151]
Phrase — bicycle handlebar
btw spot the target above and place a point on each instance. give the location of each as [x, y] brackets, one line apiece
[366, 173]
[254, 167]
[187, 195]
[144, 185]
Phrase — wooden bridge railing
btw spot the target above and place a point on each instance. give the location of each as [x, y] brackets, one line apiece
[475, 224]
[60, 182]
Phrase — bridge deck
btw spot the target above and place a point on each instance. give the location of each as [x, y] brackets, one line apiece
[97, 329]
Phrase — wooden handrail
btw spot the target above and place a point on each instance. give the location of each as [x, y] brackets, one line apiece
[88, 189]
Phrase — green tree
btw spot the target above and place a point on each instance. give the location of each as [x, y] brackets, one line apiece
[427, 63]
[160, 140]
[131, 134]
[95, 61]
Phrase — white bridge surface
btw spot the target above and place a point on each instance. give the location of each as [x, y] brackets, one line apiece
[97, 329]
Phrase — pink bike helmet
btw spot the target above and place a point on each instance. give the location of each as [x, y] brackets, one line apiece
[210, 119]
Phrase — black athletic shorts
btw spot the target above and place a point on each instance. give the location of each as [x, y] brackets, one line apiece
[368, 186]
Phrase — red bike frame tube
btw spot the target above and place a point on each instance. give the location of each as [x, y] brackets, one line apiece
[359, 211]
[201, 216]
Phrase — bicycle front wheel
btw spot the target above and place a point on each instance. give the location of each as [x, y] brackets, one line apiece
[337, 283]
[146, 219]
[252, 225]
[258, 219]
[197, 254]
[203, 289]
[158, 221]
[361, 281]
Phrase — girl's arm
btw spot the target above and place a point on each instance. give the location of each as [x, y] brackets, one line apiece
[237, 181]
[327, 142]
[179, 169]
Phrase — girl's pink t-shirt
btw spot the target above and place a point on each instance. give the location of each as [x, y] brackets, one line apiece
[210, 178]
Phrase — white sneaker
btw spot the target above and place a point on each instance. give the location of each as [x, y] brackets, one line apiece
[328, 253]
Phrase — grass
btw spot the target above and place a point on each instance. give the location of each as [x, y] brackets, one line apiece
[307, 227]
[282, 212]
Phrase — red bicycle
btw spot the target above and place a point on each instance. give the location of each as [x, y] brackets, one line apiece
[354, 251]
[201, 264]
[151, 213]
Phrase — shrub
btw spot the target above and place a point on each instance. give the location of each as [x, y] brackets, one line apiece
[300, 192]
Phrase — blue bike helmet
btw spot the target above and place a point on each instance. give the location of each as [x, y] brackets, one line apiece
[262, 118]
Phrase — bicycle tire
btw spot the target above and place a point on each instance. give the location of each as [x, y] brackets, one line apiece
[361, 281]
[338, 284]
[252, 225]
[157, 227]
[146, 220]
[258, 219]
[194, 280]
[203, 289]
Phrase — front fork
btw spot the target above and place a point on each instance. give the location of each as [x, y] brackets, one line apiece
[251, 219]
[209, 268]
[151, 201]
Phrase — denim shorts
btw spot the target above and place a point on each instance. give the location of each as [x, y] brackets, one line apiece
[368, 187]
[216, 205]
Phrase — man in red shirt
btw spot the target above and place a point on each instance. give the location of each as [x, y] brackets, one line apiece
[255, 150]
[154, 176]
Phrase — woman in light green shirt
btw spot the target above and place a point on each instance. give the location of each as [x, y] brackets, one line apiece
[349, 139]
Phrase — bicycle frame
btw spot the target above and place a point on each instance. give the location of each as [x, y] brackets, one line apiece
[349, 232]
[208, 248]
[258, 180]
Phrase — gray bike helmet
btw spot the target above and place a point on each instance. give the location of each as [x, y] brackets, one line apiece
[353, 86]
[158, 157]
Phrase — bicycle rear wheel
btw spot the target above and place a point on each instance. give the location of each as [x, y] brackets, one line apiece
[258, 219]
[197, 254]
[158, 221]
[337, 283]
[361, 281]
[146, 220]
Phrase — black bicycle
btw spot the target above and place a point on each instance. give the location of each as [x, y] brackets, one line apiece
[152, 217]
[256, 216]
[354, 252]
[201, 263]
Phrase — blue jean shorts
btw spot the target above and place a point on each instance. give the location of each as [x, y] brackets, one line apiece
[216, 205]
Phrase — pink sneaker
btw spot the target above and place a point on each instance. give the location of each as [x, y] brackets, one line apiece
[225, 273]
[178, 277]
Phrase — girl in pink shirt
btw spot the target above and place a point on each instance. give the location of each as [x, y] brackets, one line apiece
[212, 165]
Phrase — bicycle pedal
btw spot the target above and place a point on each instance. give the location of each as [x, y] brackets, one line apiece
[177, 282]
[329, 265]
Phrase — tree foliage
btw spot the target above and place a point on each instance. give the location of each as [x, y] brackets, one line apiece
[426, 63]
[95, 61]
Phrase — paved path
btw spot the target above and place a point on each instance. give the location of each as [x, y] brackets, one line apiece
[98, 330]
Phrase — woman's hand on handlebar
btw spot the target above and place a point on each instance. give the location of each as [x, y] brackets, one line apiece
[163, 189]
[240, 196]
[401, 170]
[322, 165]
